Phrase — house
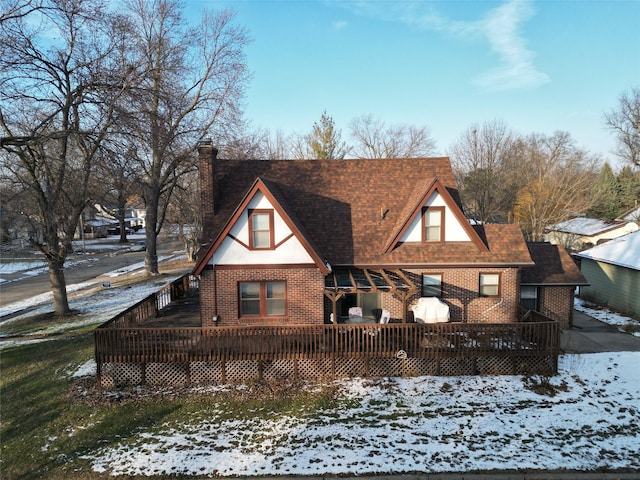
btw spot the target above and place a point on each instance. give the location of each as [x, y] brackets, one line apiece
[579, 233]
[613, 271]
[548, 287]
[632, 215]
[294, 242]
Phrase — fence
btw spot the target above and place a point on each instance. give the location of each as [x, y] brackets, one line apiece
[149, 307]
[237, 354]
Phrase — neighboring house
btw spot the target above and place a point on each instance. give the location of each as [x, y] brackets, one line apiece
[136, 212]
[613, 272]
[292, 242]
[632, 215]
[548, 287]
[95, 228]
[579, 233]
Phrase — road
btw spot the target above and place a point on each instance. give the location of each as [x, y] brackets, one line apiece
[80, 268]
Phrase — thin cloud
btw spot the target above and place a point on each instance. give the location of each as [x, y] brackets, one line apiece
[339, 25]
[500, 28]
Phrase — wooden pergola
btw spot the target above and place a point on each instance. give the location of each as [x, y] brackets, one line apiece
[352, 280]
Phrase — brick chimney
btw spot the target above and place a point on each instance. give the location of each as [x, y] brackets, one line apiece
[208, 185]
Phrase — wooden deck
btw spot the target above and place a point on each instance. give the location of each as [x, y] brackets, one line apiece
[160, 340]
[180, 313]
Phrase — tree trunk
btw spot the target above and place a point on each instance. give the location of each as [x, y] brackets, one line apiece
[151, 222]
[59, 288]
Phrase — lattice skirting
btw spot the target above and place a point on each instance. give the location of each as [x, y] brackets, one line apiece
[248, 371]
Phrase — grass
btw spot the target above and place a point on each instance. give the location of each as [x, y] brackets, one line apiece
[49, 419]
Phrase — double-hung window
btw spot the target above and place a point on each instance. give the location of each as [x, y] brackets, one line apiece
[432, 285]
[433, 224]
[263, 299]
[489, 284]
[261, 229]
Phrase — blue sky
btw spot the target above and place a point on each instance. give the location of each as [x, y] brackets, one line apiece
[538, 66]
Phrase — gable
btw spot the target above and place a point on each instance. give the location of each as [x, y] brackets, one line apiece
[453, 230]
[286, 244]
[455, 227]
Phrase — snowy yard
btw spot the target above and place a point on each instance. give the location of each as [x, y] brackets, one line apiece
[591, 420]
[424, 424]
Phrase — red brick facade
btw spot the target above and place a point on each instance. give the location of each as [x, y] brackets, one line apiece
[557, 303]
[460, 290]
[304, 303]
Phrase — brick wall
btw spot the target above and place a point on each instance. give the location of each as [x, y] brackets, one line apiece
[304, 295]
[307, 304]
[461, 293]
[460, 290]
[557, 303]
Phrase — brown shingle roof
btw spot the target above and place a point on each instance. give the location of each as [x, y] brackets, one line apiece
[553, 266]
[338, 204]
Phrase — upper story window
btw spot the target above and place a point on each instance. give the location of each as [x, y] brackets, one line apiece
[432, 285]
[489, 284]
[261, 229]
[433, 224]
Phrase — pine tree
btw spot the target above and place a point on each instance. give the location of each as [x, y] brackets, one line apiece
[324, 141]
[606, 194]
[629, 183]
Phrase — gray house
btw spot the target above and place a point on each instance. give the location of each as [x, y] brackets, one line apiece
[613, 271]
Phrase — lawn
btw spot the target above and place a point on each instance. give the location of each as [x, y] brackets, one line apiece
[58, 425]
[55, 423]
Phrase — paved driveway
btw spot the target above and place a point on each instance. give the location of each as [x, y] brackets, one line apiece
[589, 335]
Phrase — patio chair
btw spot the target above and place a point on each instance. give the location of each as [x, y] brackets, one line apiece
[384, 319]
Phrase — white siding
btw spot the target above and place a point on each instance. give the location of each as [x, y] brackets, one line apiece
[231, 252]
[453, 230]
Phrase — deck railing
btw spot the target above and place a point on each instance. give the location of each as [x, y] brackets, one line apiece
[148, 308]
[124, 339]
[465, 340]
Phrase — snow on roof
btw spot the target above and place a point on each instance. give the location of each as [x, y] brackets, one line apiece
[632, 216]
[584, 226]
[623, 251]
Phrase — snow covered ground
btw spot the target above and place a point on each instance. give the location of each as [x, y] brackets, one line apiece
[421, 425]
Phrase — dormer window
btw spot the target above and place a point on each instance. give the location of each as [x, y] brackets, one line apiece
[261, 229]
[433, 224]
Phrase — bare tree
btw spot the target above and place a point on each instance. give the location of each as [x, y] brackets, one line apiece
[625, 124]
[15, 9]
[374, 139]
[484, 165]
[115, 182]
[59, 83]
[557, 182]
[184, 213]
[194, 82]
[276, 146]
